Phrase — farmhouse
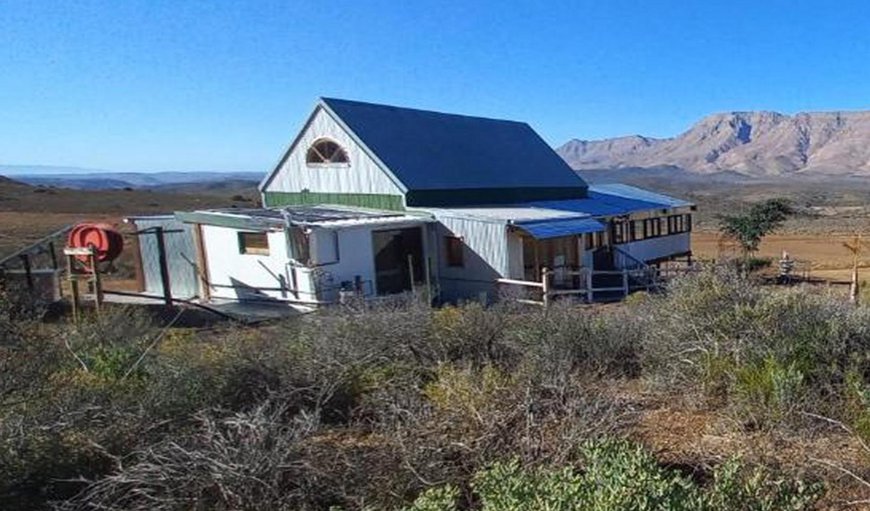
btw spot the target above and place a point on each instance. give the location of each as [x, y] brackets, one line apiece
[372, 199]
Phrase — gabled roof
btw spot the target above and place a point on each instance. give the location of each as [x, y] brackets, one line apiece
[446, 159]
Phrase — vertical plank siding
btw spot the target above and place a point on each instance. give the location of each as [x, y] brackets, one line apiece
[360, 177]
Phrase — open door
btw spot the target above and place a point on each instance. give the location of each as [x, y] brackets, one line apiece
[398, 259]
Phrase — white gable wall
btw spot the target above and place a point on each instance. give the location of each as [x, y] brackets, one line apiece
[363, 175]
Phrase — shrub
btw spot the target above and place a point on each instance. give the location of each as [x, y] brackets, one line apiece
[619, 475]
[243, 460]
[762, 353]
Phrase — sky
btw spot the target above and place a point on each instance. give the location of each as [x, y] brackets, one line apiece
[185, 85]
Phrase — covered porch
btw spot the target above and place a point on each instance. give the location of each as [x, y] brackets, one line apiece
[560, 246]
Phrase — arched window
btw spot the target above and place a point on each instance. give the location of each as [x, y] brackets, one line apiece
[325, 151]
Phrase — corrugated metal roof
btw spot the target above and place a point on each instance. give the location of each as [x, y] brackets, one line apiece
[317, 215]
[556, 228]
[598, 203]
[633, 192]
[503, 214]
[436, 151]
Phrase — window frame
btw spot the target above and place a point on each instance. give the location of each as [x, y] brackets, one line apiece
[246, 248]
[454, 251]
[326, 163]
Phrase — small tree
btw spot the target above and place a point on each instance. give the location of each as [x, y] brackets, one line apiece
[751, 227]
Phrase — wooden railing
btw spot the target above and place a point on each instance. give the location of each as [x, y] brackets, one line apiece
[630, 280]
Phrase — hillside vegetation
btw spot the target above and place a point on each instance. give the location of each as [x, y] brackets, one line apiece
[27, 213]
[715, 395]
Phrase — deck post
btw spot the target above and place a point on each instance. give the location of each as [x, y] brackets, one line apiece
[411, 270]
[545, 283]
[589, 296]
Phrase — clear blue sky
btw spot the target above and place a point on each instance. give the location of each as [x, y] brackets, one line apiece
[190, 85]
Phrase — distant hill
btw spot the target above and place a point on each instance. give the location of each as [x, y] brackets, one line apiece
[754, 144]
[80, 178]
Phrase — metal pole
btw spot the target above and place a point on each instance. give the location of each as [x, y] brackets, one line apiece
[164, 267]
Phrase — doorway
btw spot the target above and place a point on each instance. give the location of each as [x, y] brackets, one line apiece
[398, 259]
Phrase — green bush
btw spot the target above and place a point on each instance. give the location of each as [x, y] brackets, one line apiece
[618, 475]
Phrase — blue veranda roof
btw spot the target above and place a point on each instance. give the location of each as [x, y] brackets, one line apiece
[446, 159]
[558, 227]
[613, 200]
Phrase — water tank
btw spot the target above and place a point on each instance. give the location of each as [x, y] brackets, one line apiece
[106, 242]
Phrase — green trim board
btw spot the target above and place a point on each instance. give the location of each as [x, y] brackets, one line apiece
[488, 196]
[363, 200]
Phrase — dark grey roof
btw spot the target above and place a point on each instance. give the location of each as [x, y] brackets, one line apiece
[447, 159]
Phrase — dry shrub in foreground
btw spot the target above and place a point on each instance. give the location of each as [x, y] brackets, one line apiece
[371, 404]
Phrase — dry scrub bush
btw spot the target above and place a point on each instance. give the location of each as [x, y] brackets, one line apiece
[396, 396]
[237, 461]
[369, 404]
[764, 353]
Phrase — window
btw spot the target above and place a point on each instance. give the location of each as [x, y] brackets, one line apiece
[621, 231]
[679, 223]
[652, 228]
[455, 251]
[256, 243]
[638, 230]
[326, 152]
[594, 240]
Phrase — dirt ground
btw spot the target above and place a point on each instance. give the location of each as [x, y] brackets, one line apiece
[821, 255]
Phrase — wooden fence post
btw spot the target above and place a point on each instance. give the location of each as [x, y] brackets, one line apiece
[589, 295]
[411, 270]
[545, 282]
[28, 271]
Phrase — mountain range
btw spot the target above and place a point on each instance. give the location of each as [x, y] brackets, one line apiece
[753, 144]
[83, 178]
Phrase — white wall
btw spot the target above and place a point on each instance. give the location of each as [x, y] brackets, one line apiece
[355, 258]
[236, 276]
[655, 248]
[363, 175]
[485, 257]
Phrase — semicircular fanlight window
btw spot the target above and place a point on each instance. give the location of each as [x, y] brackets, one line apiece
[326, 151]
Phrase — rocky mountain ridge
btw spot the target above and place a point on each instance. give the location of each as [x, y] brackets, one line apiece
[755, 144]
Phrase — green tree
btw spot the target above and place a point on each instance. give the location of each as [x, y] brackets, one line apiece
[751, 227]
